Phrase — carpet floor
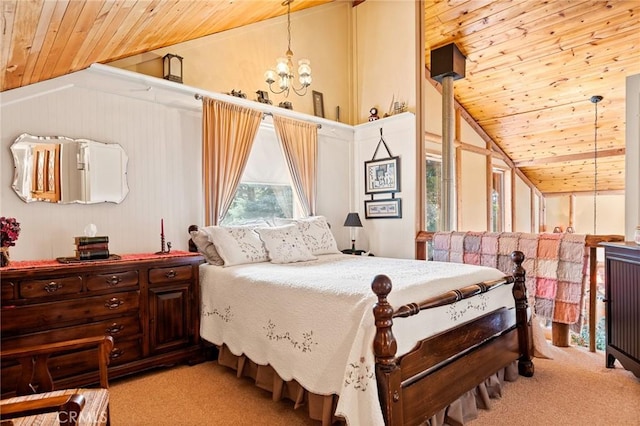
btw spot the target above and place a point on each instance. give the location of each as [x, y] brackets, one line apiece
[574, 388]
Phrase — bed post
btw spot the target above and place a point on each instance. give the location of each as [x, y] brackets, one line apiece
[525, 366]
[384, 349]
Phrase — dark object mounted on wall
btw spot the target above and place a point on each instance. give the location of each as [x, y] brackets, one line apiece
[285, 104]
[447, 61]
[172, 67]
[237, 94]
[263, 97]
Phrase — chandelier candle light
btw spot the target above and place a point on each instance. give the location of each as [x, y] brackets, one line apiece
[284, 67]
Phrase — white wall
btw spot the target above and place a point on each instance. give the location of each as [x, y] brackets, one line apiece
[523, 207]
[164, 171]
[473, 192]
[632, 160]
[387, 237]
[163, 145]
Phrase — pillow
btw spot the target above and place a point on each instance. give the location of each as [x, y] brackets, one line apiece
[315, 233]
[284, 244]
[205, 247]
[237, 244]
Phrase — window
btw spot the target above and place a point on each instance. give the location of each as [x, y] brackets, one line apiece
[255, 201]
[265, 189]
[497, 201]
[434, 190]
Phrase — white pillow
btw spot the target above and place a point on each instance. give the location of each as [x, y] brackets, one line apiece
[315, 233]
[284, 244]
[237, 244]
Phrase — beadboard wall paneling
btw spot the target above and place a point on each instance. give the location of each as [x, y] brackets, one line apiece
[164, 172]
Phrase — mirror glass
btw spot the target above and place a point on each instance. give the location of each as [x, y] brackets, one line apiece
[62, 170]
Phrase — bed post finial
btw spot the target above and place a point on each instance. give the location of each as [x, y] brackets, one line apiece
[384, 344]
[525, 366]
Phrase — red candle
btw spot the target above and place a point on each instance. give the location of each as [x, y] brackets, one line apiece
[161, 226]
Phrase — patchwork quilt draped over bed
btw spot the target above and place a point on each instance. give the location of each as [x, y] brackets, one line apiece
[312, 322]
[556, 266]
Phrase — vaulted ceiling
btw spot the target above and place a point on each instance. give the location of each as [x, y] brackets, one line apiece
[532, 65]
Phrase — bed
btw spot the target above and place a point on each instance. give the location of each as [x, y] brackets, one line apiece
[442, 331]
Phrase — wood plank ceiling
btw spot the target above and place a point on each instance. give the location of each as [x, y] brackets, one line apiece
[532, 65]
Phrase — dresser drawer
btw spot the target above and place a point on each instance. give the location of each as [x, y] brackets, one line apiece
[52, 287]
[65, 313]
[167, 275]
[8, 291]
[111, 281]
[125, 327]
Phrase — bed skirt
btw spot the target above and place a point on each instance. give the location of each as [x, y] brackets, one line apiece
[322, 407]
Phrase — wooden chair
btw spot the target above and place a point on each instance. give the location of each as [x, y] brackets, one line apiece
[36, 395]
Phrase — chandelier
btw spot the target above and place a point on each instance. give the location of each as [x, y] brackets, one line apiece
[284, 67]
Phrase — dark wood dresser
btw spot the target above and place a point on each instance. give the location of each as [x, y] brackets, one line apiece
[148, 303]
[622, 283]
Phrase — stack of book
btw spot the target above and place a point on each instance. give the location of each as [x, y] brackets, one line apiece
[92, 248]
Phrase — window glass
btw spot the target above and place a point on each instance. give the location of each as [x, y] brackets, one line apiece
[265, 189]
[497, 201]
[433, 199]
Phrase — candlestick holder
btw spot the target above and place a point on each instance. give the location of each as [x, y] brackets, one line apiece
[162, 246]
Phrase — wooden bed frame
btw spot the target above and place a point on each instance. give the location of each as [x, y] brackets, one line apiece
[417, 385]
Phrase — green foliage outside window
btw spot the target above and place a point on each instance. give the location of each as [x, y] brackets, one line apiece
[433, 185]
[254, 201]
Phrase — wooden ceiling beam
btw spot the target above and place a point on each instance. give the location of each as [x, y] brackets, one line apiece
[569, 158]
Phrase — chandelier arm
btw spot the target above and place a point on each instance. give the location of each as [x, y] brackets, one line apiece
[300, 92]
[277, 93]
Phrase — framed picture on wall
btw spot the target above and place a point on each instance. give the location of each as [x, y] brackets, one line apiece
[383, 209]
[382, 176]
[318, 104]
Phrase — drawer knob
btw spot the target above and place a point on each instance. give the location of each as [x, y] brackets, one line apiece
[115, 328]
[113, 303]
[114, 280]
[171, 274]
[116, 353]
[52, 287]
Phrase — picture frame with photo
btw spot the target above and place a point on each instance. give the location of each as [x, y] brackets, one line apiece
[383, 209]
[382, 176]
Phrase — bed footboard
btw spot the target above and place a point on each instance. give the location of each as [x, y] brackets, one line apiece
[414, 387]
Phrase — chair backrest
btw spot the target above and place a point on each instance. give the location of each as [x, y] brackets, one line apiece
[36, 376]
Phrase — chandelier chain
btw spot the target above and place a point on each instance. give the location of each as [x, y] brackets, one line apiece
[284, 73]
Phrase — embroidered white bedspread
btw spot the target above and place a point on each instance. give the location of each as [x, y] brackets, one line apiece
[313, 321]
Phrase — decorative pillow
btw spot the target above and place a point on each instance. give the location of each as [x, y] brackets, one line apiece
[315, 233]
[201, 239]
[237, 244]
[284, 244]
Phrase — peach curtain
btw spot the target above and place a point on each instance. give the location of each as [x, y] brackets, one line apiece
[228, 132]
[299, 141]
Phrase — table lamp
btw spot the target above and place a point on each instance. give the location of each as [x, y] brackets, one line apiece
[353, 221]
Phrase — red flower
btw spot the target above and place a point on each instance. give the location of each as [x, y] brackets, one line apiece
[9, 231]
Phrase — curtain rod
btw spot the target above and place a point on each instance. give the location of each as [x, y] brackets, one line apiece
[198, 96]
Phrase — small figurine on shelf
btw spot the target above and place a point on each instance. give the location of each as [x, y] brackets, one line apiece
[374, 114]
[263, 97]
[237, 94]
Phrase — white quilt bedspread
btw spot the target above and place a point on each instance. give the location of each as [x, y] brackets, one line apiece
[313, 321]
